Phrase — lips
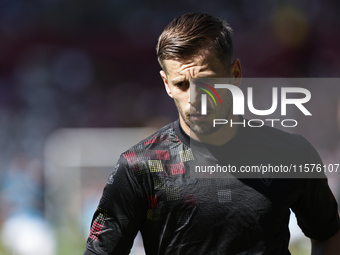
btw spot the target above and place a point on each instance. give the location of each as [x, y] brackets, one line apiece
[199, 117]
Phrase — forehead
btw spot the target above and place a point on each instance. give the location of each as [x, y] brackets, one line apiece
[202, 65]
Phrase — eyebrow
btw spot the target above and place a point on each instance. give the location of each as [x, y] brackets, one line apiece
[210, 75]
[178, 80]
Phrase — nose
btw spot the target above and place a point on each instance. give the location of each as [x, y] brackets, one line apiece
[194, 95]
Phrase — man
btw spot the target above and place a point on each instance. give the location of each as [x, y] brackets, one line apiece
[153, 188]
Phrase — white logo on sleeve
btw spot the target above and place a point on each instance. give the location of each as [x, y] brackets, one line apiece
[111, 179]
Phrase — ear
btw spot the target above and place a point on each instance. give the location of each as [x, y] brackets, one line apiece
[236, 72]
[166, 84]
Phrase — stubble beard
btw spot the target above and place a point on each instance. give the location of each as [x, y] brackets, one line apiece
[204, 127]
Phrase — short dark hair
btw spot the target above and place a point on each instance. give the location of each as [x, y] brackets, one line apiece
[186, 35]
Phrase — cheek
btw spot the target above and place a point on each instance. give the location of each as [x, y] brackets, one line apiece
[182, 102]
[226, 97]
[181, 96]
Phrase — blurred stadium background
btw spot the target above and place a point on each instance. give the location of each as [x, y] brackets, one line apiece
[72, 72]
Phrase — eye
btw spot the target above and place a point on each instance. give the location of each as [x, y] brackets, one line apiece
[182, 84]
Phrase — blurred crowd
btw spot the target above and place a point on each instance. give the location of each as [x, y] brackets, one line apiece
[93, 64]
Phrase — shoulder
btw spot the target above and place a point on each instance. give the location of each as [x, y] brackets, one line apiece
[277, 137]
[153, 146]
[279, 143]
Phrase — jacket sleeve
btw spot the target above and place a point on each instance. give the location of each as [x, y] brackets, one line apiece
[120, 214]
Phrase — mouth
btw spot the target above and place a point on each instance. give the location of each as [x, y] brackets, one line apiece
[197, 117]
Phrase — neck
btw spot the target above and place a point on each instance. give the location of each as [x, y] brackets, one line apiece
[223, 135]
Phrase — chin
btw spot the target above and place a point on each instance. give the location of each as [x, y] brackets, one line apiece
[203, 129]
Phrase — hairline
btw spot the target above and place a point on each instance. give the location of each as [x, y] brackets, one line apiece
[200, 53]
